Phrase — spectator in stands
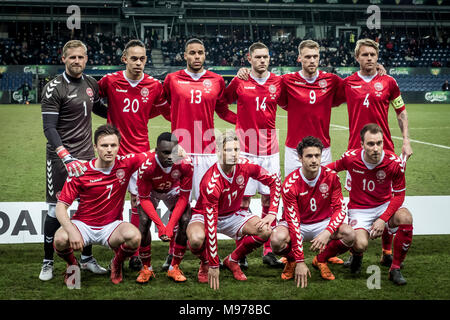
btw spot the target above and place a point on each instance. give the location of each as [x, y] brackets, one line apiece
[445, 86]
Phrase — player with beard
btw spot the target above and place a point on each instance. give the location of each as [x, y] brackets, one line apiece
[67, 105]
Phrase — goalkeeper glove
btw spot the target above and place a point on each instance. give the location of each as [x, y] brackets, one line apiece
[74, 167]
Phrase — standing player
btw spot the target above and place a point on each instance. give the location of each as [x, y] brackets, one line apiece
[369, 96]
[257, 100]
[67, 103]
[133, 98]
[218, 210]
[98, 219]
[314, 210]
[194, 94]
[376, 198]
[165, 178]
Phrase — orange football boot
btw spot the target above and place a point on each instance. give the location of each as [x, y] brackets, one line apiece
[145, 275]
[288, 271]
[176, 274]
[325, 272]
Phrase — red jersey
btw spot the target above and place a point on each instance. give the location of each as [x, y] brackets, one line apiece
[256, 113]
[221, 195]
[193, 103]
[308, 105]
[130, 106]
[368, 101]
[311, 201]
[152, 176]
[101, 192]
[372, 185]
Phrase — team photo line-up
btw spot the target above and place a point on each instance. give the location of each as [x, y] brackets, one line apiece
[221, 171]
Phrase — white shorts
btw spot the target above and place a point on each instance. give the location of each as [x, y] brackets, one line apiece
[292, 162]
[230, 225]
[364, 218]
[201, 163]
[309, 231]
[270, 163]
[94, 234]
[132, 185]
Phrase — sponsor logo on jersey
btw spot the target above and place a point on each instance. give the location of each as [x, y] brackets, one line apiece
[240, 180]
[252, 88]
[120, 90]
[183, 82]
[89, 92]
[381, 175]
[299, 82]
[120, 173]
[72, 96]
[175, 174]
[356, 87]
[95, 180]
[378, 86]
[358, 171]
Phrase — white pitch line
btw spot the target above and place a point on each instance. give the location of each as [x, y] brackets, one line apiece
[401, 138]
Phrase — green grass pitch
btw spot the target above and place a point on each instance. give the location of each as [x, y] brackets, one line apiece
[22, 164]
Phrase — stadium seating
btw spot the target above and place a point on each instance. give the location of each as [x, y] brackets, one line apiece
[12, 81]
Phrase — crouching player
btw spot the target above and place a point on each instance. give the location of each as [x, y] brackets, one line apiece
[98, 219]
[376, 199]
[218, 210]
[164, 177]
[314, 210]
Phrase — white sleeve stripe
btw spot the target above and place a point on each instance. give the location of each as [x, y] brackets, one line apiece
[398, 190]
[50, 112]
[161, 104]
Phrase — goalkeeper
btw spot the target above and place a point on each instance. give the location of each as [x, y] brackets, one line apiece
[67, 103]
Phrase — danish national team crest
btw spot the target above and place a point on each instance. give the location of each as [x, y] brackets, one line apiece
[381, 175]
[89, 92]
[273, 92]
[240, 180]
[144, 94]
[324, 189]
[207, 85]
[378, 86]
[323, 83]
[120, 174]
[175, 174]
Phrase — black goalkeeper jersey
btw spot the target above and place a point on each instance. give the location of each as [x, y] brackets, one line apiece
[72, 100]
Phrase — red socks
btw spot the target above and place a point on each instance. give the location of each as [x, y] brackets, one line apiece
[386, 241]
[145, 253]
[201, 253]
[402, 242]
[332, 249]
[267, 248]
[246, 246]
[122, 253]
[134, 220]
[178, 254]
[68, 256]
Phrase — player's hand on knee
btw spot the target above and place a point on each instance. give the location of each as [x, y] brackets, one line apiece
[320, 241]
[377, 229]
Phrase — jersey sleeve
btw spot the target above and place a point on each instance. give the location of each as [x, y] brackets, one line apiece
[160, 104]
[282, 99]
[144, 185]
[338, 207]
[231, 91]
[50, 107]
[186, 179]
[342, 163]
[103, 87]
[70, 191]
[211, 207]
[291, 215]
[398, 189]
[339, 94]
[395, 97]
[221, 108]
[166, 88]
[273, 181]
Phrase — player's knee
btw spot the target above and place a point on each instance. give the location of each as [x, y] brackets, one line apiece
[61, 239]
[196, 240]
[360, 244]
[132, 236]
[404, 216]
[347, 234]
